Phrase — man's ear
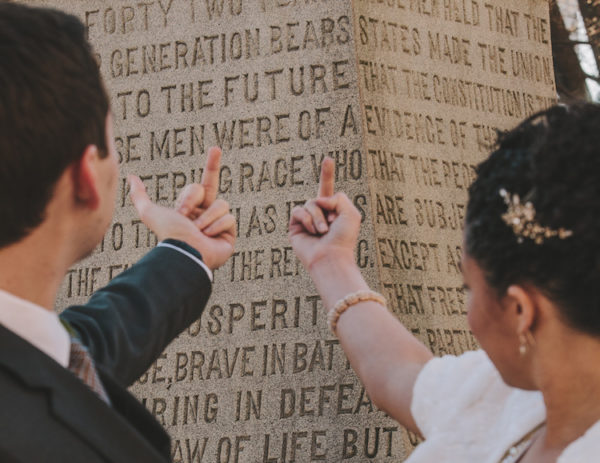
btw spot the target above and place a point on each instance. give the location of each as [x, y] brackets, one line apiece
[523, 308]
[85, 178]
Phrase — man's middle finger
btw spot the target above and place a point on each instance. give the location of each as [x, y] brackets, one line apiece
[210, 176]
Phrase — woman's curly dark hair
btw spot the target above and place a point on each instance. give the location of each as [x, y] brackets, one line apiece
[553, 160]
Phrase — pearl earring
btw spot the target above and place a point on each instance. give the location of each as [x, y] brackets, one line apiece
[526, 340]
[522, 345]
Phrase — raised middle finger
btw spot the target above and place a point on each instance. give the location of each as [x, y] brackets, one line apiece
[210, 176]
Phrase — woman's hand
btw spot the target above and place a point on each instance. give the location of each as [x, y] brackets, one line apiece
[198, 219]
[326, 227]
[384, 354]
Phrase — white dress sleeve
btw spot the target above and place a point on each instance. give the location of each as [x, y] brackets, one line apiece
[467, 413]
[448, 386]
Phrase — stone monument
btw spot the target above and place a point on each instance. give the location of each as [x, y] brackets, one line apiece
[405, 95]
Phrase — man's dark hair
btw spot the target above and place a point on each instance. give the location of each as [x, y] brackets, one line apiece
[52, 105]
[553, 160]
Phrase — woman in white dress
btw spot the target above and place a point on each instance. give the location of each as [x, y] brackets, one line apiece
[531, 264]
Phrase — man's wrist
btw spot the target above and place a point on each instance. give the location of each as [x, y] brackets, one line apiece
[189, 251]
[184, 246]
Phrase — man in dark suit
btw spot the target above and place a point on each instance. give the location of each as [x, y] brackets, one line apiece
[63, 381]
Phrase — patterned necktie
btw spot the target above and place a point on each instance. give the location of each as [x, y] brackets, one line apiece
[82, 365]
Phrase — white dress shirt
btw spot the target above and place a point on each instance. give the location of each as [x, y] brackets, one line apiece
[37, 325]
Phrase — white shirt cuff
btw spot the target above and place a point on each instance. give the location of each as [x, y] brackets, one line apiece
[190, 255]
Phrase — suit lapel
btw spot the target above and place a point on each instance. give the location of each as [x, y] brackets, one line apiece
[74, 404]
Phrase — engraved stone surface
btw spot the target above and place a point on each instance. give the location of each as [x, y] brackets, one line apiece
[405, 95]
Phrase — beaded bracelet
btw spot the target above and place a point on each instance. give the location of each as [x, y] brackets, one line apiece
[351, 299]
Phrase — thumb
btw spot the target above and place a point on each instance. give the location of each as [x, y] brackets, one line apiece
[140, 199]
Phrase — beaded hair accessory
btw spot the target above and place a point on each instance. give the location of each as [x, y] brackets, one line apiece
[521, 218]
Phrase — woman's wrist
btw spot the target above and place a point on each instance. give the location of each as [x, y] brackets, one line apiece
[336, 275]
[323, 260]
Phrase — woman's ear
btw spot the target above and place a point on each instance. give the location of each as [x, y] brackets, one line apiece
[522, 308]
[85, 178]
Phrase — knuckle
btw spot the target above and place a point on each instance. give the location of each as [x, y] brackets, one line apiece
[194, 190]
[186, 189]
[221, 204]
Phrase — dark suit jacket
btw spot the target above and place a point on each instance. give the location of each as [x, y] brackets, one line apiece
[49, 415]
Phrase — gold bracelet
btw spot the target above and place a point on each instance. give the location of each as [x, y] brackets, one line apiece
[351, 299]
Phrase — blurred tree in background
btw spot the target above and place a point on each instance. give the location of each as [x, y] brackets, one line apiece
[590, 10]
[575, 29]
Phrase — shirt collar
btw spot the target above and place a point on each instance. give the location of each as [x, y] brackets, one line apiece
[37, 325]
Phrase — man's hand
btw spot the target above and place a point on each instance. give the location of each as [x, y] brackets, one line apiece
[325, 227]
[199, 219]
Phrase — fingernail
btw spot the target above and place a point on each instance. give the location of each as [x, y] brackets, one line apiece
[322, 227]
